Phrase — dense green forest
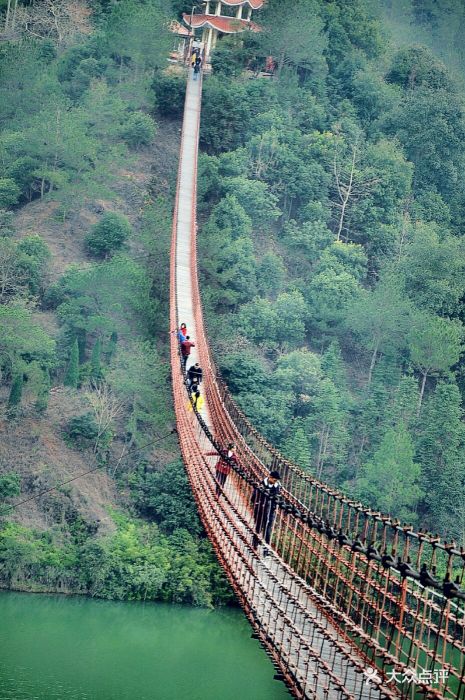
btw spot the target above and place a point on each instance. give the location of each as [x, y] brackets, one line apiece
[332, 249]
[86, 191]
[332, 259]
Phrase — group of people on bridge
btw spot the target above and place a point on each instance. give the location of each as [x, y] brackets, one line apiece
[264, 500]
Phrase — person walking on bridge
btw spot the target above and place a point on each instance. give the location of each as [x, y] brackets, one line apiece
[186, 346]
[196, 401]
[223, 466]
[197, 66]
[264, 508]
[194, 374]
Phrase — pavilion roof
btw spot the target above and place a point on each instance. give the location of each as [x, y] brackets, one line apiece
[178, 28]
[254, 4]
[226, 25]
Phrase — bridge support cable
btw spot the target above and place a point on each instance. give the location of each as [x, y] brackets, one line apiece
[338, 593]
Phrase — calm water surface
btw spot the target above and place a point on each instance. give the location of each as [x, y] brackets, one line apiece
[82, 649]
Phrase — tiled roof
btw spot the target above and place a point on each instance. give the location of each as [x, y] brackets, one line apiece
[254, 4]
[226, 25]
[177, 28]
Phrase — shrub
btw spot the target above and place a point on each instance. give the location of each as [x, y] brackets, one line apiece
[10, 485]
[108, 235]
[9, 193]
[139, 129]
[169, 91]
[81, 430]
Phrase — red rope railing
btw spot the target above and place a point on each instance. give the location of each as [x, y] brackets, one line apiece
[343, 579]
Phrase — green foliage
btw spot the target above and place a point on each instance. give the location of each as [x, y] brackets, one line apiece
[228, 57]
[296, 447]
[169, 89]
[16, 393]
[95, 360]
[108, 235]
[416, 66]
[23, 341]
[165, 496]
[82, 430]
[72, 373]
[139, 129]
[135, 562]
[390, 481]
[9, 193]
[440, 447]
[43, 393]
[10, 485]
[243, 371]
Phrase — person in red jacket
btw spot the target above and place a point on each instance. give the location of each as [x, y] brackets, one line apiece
[223, 466]
[186, 346]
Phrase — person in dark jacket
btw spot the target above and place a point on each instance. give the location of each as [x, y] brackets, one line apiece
[186, 346]
[264, 507]
[223, 466]
[194, 374]
[197, 66]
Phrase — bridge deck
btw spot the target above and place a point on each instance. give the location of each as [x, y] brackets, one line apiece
[310, 647]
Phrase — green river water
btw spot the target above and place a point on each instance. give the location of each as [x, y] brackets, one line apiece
[82, 649]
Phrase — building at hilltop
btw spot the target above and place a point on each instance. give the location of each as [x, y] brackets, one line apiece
[222, 17]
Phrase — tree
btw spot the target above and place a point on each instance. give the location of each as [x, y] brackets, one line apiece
[138, 129]
[11, 281]
[433, 267]
[440, 446]
[166, 496]
[327, 423]
[350, 183]
[108, 235]
[329, 295]
[229, 216]
[291, 312]
[258, 320]
[296, 446]
[380, 319]
[16, 393]
[435, 345]
[430, 124]
[43, 393]
[22, 341]
[390, 481]
[296, 38]
[95, 360]
[61, 20]
[416, 66]
[255, 198]
[170, 91]
[271, 274]
[107, 407]
[129, 33]
[72, 373]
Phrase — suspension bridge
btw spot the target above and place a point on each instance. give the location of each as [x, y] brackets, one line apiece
[349, 603]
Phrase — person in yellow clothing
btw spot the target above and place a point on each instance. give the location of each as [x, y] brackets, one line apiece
[197, 401]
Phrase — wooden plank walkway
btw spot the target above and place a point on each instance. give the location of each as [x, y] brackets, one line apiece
[316, 652]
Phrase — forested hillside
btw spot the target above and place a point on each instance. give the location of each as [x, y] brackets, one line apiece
[332, 249]
[86, 190]
[332, 258]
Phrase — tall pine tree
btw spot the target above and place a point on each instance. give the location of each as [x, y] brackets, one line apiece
[72, 373]
[440, 449]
